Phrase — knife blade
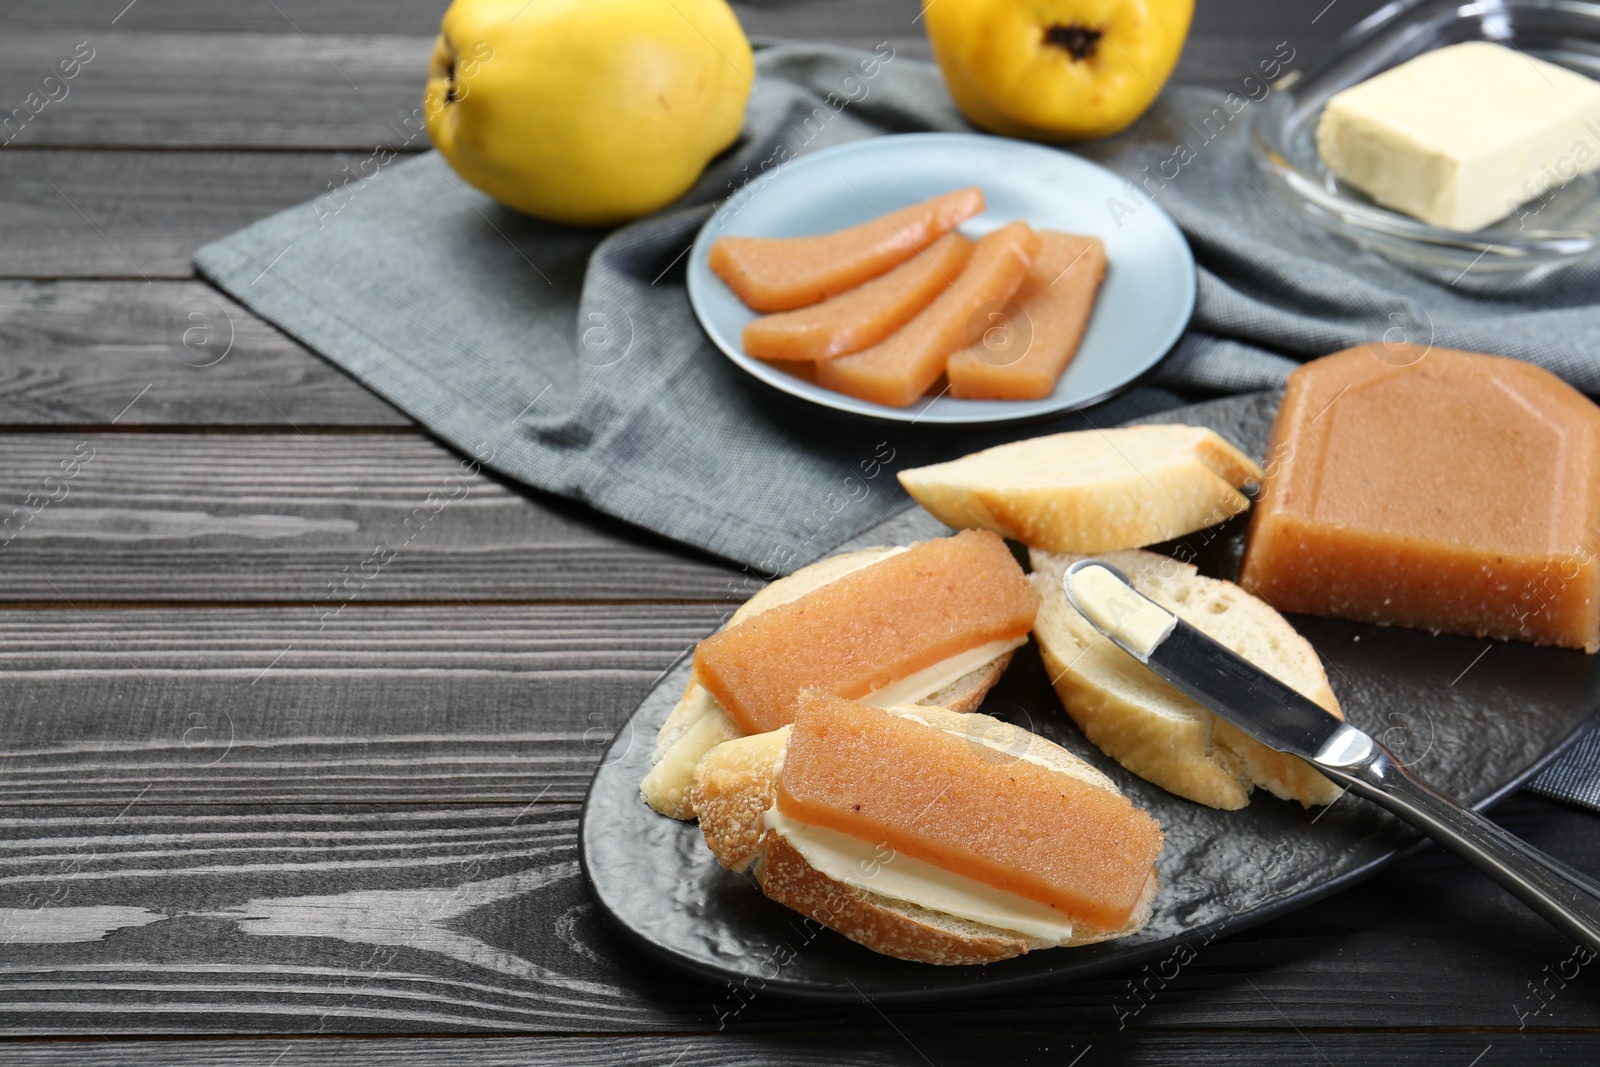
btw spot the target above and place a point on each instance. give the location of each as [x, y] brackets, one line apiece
[1211, 674]
[1236, 690]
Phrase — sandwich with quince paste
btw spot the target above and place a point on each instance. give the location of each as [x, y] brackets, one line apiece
[934, 622]
[928, 834]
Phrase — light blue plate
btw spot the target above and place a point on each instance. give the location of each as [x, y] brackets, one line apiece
[1144, 303]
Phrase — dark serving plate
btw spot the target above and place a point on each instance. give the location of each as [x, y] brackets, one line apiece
[1475, 717]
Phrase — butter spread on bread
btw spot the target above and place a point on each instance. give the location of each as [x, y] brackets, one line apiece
[1145, 724]
[1060, 831]
[1091, 490]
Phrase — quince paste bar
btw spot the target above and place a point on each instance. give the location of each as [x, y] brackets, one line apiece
[1444, 490]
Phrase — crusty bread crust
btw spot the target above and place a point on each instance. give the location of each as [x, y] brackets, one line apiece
[670, 794]
[1149, 727]
[735, 785]
[890, 927]
[1091, 490]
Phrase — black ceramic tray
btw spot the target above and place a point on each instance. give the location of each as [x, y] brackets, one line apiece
[1474, 717]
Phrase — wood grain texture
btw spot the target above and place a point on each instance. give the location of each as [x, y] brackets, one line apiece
[320, 519]
[75, 354]
[131, 918]
[413, 705]
[805, 18]
[271, 90]
[801, 1050]
[1077, 1049]
[274, 89]
[139, 895]
[420, 17]
[141, 215]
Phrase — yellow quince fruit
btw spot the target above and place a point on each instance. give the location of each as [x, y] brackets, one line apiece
[589, 112]
[1056, 70]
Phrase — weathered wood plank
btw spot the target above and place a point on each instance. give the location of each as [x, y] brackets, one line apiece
[272, 89]
[75, 353]
[201, 16]
[1080, 1049]
[852, 21]
[811, 19]
[278, 90]
[312, 518]
[400, 920]
[800, 1050]
[130, 918]
[466, 703]
[140, 215]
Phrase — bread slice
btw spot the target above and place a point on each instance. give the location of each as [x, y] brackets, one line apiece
[1091, 490]
[698, 723]
[1149, 727]
[735, 784]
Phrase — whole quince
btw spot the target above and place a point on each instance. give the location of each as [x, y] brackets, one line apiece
[1056, 70]
[589, 112]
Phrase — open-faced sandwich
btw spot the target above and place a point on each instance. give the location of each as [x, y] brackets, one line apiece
[829, 740]
[934, 622]
[928, 834]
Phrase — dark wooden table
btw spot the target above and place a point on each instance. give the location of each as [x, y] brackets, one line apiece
[239, 829]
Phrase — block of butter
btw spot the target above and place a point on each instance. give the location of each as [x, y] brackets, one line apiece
[1464, 135]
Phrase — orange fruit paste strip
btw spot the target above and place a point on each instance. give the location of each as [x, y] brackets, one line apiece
[782, 273]
[966, 808]
[861, 317]
[1051, 312]
[900, 368]
[869, 628]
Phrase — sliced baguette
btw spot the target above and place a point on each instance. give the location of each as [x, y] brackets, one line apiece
[1092, 490]
[697, 723]
[1148, 726]
[735, 784]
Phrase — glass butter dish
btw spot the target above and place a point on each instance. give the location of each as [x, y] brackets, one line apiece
[1560, 224]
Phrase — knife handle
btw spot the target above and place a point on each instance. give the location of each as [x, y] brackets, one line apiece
[1569, 900]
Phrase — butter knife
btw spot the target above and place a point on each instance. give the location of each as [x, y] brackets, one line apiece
[1241, 693]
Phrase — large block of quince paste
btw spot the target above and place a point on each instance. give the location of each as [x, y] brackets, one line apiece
[1458, 493]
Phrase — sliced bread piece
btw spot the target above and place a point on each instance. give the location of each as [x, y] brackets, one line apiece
[1145, 724]
[698, 723]
[735, 785]
[1091, 490]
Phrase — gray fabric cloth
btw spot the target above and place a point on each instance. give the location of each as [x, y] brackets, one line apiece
[569, 359]
[1575, 777]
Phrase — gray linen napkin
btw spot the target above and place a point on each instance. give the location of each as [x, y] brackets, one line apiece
[569, 359]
